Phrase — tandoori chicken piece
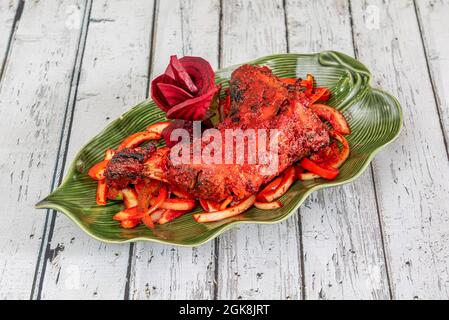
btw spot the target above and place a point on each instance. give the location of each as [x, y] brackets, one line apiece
[259, 100]
[126, 167]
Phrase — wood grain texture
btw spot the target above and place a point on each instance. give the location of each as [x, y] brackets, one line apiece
[33, 94]
[113, 77]
[257, 262]
[433, 17]
[341, 236]
[8, 13]
[411, 175]
[183, 27]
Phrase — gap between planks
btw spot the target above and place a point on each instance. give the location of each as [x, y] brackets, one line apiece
[376, 196]
[153, 33]
[44, 250]
[431, 77]
[14, 26]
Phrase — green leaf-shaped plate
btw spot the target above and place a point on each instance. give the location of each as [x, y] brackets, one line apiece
[375, 118]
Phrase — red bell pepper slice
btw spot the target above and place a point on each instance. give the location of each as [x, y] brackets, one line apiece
[129, 197]
[129, 224]
[158, 127]
[289, 80]
[237, 209]
[268, 205]
[114, 194]
[109, 154]
[324, 172]
[126, 214]
[213, 205]
[138, 138]
[176, 204]
[97, 172]
[321, 94]
[170, 215]
[157, 204]
[287, 179]
[272, 186]
[102, 193]
[151, 219]
[139, 187]
[335, 117]
[225, 203]
[145, 193]
[204, 205]
[308, 84]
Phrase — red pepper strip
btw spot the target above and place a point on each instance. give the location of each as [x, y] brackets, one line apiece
[98, 170]
[289, 80]
[170, 215]
[138, 138]
[321, 94]
[102, 193]
[268, 205]
[162, 196]
[114, 194]
[150, 220]
[335, 158]
[158, 127]
[139, 187]
[205, 205]
[213, 205]
[129, 224]
[109, 154]
[324, 172]
[288, 178]
[126, 214]
[308, 84]
[225, 203]
[227, 213]
[176, 204]
[335, 117]
[143, 198]
[344, 154]
[268, 189]
[180, 193]
[130, 197]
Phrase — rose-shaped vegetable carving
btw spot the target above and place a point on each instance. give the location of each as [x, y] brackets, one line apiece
[186, 89]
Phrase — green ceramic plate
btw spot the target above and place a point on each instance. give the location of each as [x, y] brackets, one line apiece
[375, 118]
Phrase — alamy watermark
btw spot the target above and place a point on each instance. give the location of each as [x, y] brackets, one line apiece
[229, 146]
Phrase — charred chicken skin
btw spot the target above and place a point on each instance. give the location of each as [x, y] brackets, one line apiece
[127, 166]
[259, 100]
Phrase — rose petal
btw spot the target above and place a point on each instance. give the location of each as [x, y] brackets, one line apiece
[173, 94]
[193, 109]
[156, 94]
[181, 76]
[201, 73]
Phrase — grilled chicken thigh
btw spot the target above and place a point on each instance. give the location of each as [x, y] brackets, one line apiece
[259, 100]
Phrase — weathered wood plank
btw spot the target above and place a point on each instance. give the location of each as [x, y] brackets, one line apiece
[114, 76]
[257, 261]
[341, 236]
[411, 175]
[433, 17]
[9, 16]
[33, 97]
[183, 27]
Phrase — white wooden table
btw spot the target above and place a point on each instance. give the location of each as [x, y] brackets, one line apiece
[69, 67]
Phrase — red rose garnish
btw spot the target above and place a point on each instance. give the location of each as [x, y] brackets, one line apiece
[186, 89]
